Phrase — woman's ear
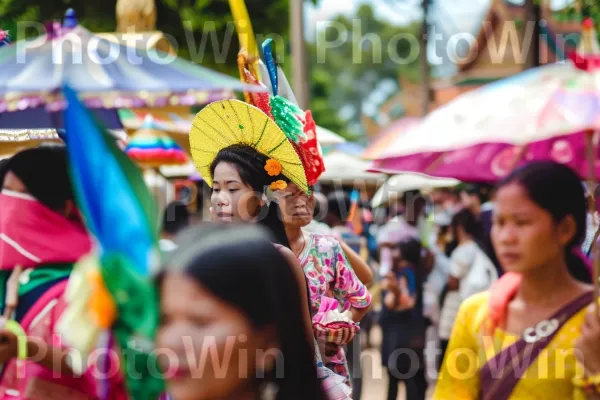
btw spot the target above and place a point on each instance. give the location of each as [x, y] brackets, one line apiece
[567, 229]
[312, 201]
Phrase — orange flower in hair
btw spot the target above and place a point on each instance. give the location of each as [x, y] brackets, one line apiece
[273, 167]
[278, 185]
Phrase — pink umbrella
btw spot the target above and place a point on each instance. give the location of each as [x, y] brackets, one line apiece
[534, 115]
[484, 134]
[490, 162]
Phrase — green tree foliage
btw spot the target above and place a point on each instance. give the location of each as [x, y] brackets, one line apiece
[201, 30]
[589, 8]
[346, 74]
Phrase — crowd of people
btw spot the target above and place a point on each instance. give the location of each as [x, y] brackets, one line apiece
[247, 286]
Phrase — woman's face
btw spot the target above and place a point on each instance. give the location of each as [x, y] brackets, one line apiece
[208, 348]
[13, 183]
[524, 235]
[296, 206]
[232, 200]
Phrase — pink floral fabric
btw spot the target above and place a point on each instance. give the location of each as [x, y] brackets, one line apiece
[328, 273]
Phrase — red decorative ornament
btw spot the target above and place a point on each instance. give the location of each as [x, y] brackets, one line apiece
[258, 99]
[585, 62]
[309, 151]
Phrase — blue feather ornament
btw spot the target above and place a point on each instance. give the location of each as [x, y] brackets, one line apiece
[267, 48]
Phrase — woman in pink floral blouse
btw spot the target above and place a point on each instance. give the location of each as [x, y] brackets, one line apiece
[325, 266]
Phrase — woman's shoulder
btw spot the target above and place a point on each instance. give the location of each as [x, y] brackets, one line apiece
[291, 259]
[465, 250]
[476, 302]
[285, 252]
[475, 309]
[324, 243]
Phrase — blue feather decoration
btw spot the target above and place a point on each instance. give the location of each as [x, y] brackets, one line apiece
[267, 48]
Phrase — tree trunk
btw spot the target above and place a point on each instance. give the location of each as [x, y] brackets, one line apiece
[533, 14]
[425, 75]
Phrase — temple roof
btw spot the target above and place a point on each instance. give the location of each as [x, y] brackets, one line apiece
[505, 23]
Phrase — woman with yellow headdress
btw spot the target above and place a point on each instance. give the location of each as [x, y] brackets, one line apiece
[248, 162]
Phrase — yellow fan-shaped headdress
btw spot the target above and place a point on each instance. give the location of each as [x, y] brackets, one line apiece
[225, 123]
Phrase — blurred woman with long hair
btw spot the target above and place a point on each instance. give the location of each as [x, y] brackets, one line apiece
[531, 317]
[227, 290]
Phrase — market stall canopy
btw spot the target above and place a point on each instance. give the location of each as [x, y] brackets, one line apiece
[341, 167]
[40, 118]
[396, 185]
[14, 140]
[104, 74]
[141, 40]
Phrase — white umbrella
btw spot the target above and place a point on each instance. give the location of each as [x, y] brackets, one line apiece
[341, 167]
[399, 184]
[174, 171]
[327, 137]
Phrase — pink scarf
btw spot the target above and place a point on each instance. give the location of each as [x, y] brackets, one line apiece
[32, 234]
[502, 292]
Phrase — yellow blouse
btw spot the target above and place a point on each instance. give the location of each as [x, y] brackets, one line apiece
[548, 377]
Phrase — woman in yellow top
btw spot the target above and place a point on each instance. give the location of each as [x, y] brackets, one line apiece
[516, 341]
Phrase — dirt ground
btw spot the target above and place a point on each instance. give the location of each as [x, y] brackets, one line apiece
[375, 380]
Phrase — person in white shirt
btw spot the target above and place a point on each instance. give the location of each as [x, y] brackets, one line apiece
[471, 271]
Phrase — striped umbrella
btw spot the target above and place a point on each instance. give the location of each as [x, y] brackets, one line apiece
[150, 148]
[103, 73]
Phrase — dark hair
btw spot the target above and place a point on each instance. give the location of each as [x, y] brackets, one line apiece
[474, 190]
[467, 220]
[338, 205]
[414, 203]
[410, 251]
[250, 164]
[240, 265]
[557, 189]
[44, 172]
[176, 218]
[3, 170]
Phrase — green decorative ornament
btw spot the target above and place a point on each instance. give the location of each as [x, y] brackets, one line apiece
[286, 115]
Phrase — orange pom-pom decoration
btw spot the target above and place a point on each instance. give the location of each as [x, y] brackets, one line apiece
[101, 305]
[273, 167]
[278, 185]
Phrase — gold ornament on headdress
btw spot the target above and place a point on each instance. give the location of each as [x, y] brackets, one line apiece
[225, 123]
